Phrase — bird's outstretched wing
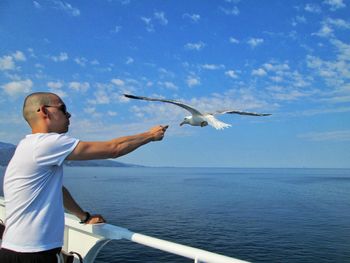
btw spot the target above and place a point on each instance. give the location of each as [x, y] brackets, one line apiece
[212, 121]
[180, 104]
[240, 113]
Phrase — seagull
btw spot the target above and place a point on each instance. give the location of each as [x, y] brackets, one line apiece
[197, 118]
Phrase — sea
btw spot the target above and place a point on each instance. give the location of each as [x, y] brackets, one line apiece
[258, 215]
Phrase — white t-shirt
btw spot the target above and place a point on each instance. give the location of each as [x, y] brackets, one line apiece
[33, 193]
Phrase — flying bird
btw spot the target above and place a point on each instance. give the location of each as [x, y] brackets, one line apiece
[197, 118]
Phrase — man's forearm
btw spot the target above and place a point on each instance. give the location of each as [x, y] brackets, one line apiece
[127, 144]
[72, 206]
[116, 147]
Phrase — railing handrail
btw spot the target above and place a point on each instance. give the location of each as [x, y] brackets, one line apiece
[112, 232]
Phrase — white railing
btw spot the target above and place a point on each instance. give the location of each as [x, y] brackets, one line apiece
[88, 240]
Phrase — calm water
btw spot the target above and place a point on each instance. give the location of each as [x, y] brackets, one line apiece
[259, 215]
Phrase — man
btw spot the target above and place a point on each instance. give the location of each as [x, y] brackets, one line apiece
[34, 195]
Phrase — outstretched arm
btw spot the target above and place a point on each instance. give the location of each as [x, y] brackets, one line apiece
[116, 147]
[72, 206]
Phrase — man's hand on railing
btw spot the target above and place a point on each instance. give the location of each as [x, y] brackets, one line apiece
[95, 219]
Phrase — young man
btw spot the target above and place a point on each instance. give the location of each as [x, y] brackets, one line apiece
[34, 195]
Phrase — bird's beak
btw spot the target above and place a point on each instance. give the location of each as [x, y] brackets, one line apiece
[182, 123]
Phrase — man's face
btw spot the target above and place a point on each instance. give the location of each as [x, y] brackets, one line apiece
[59, 116]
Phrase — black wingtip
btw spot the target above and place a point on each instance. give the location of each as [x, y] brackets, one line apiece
[130, 96]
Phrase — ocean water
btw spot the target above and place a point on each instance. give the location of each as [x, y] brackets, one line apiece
[258, 215]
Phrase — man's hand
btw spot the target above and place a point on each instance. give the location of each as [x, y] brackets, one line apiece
[158, 132]
[96, 219]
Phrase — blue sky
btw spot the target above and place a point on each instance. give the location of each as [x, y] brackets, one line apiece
[288, 58]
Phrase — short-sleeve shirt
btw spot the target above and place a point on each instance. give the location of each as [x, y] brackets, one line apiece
[33, 193]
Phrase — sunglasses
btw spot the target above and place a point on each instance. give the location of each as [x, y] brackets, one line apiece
[62, 108]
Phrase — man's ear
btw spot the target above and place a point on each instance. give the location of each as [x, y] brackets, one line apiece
[43, 110]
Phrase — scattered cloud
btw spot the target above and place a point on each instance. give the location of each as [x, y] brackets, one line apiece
[195, 46]
[212, 66]
[66, 7]
[313, 8]
[19, 56]
[254, 42]
[79, 86]
[337, 136]
[160, 16]
[157, 16]
[118, 82]
[259, 72]
[60, 58]
[7, 62]
[112, 113]
[230, 11]
[148, 23]
[55, 84]
[81, 61]
[15, 88]
[298, 20]
[129, 61]
[168, 85]
[36, 5]
[233, 40]
[116, 29]
[193, 17]
[325, 31]
[232, 74]
[193, 81]
[335, 4]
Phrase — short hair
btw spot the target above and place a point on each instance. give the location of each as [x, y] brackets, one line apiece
[33, 102]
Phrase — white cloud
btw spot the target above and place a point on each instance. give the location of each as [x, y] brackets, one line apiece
[15, 88]
[55, 85]
[276, 67]
[112, 113]
[312, 8]
[19, 56]
[195, 46]
[194, 17]
[66, 7]
[231, 74]
[81, 61]
[116, 29]
[101, 97]
[343, 50]
[7, 63]
[160, 16]
[334, 72]
[254, 42]
[212, 66]
[129, 61]
[334, 4]
[79, 86]
[95, 62]
[149, 24]
[61, 57]
[118, 82]
[325, 31]
[230, 11]
[340, 23]
[298, 20]
[338, 136]
[168, 85]
[36, 5]
[234, 40]
[193, 81]
[289, 95]
[259, 72]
